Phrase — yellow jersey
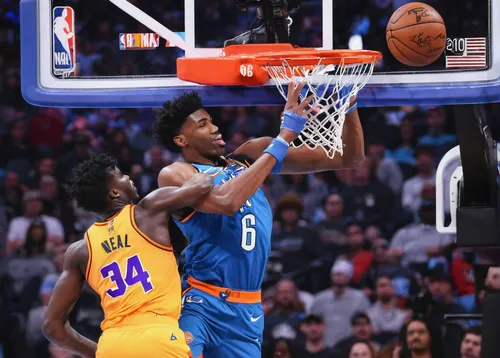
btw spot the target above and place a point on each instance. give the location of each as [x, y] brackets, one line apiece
[131, 273]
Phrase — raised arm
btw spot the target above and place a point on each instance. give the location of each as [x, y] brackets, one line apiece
[56, 326]
[229, 197]
[172, 198]
[304, 160]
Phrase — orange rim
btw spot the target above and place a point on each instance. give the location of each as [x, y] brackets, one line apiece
[307, 57]
[248, 65]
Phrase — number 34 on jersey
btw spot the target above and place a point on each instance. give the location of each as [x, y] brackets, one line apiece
[134, 274]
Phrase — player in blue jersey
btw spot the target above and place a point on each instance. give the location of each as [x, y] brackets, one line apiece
[229, 231]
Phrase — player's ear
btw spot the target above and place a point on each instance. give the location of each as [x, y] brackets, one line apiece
[114, 194]
[180, 140]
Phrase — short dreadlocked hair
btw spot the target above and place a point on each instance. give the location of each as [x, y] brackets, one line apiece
[175, 112]
[89, 185]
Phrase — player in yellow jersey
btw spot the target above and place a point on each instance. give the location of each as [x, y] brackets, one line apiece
[127, 259]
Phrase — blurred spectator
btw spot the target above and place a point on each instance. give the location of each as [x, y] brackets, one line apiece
[309, 187]
[439, 285]
[471, 343]
[45, 165]
[361, 349]
[78, 154]
[366, 201]
[80, 128]
[293, 245]
[422, 340]
[46, 129]
[313, 329]
[362, 330]
[331, 229]
[493, 278]
[286, 314]
[462, 273]
[436, 137]
[385, 316]
[404, 280]
[19, 232]
[413, 187]
[386, 170]
[148, 177]
[357, 252]
[35, 317]
[280, 348]
[372, 233]
[12, 195]
[404, 154]
[414, 244]
[15, 145]
[337, 304]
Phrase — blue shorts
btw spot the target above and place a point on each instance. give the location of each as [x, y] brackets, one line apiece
[216, 328]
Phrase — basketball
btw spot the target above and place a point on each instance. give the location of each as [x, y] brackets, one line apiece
[416, 34]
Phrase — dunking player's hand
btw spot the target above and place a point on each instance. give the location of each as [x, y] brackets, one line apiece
[293, 110]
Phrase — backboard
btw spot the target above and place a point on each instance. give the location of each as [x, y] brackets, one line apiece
[114, 53]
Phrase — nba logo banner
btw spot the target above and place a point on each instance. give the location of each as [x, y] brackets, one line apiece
[63, 40]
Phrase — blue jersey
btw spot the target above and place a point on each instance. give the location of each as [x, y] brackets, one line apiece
[229, 251]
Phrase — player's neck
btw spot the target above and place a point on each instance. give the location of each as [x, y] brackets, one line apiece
[112, 211]
[199, 159]
[196, 158]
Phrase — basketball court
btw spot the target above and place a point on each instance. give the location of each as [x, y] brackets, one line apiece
[466, 73]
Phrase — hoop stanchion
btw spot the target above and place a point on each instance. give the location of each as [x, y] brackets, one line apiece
[333, 78]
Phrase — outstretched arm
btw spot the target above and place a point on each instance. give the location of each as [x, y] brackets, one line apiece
[304, 160]
[229, 197]
[174, 198]
[56, 326]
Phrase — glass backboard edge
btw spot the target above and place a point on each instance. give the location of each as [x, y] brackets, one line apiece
[374, 95]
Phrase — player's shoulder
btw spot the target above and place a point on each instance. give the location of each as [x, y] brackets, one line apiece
[175, 174]
[77, 247]
[77, 254]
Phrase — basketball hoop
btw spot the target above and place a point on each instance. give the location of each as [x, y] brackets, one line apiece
[332, 77]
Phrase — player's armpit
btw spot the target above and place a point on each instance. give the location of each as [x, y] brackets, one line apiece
[304, 160]
[172, 198]
[66, 292]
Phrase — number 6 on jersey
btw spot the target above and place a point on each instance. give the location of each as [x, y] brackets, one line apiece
[248, 233]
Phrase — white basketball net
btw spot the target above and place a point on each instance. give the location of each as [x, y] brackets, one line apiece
[332, 87]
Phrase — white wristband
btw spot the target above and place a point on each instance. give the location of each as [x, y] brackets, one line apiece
[282, 140]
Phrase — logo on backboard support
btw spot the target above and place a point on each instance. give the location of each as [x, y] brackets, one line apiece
[63, 40]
